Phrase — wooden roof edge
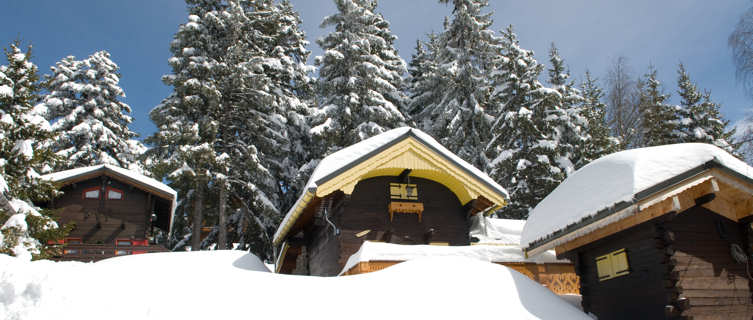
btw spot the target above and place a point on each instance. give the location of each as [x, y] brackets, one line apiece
[410, 134]
[643, 200]
[106, 171]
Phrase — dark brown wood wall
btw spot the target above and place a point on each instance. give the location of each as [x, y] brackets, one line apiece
[367, 209]
[715, 285]
[637, 295]
[104, 220]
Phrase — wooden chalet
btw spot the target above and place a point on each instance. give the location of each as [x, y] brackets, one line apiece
[115, 211]
[678, 247]
[399, 188]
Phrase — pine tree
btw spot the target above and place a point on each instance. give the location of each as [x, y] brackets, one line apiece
[89, 118]
[232, 133]
[360, 78]
[24, 153]
[658, 120]
[528, 147]
[575, 137]
[700, 120]
[602, 143]
[453, 97]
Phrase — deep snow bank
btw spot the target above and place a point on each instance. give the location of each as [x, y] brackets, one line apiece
[216, 284]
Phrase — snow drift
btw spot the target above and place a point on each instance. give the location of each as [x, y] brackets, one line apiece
[218, 284]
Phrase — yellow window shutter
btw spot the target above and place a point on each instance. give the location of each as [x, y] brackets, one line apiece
[604, 267]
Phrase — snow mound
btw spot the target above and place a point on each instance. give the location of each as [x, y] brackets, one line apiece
[616, 178]
[380, 251]
[208, 285]
[496, 231]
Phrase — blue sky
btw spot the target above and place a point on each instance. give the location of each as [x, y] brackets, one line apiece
[590, 34]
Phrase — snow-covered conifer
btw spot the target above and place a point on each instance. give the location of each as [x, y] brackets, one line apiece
[452, 100]
[527, 148]
[658, 119]
[700, 120]
[24, 153]
[86, 112]
[602, 143]
[360, 78]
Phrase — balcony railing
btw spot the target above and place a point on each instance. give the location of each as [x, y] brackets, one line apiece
[95, 252]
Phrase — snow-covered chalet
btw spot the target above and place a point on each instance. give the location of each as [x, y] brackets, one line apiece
[655, 233]
[115, 211]
[398, 196]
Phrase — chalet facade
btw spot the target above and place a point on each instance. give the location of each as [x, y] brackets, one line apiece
[399, 191]
[115, 211]
[677, 247]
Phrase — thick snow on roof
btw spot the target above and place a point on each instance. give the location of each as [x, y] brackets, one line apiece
[496, 231]
[233, 284]
[69, 174]
[616, 178]
[380, 251]
[352, 154]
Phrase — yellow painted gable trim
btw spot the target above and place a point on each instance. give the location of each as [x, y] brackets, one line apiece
[423, 163]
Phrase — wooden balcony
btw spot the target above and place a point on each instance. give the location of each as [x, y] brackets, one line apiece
[95, 252]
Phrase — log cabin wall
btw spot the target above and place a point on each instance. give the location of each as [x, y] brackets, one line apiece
[102, 220]
[367, 209]
[637, 295]
[714, 284]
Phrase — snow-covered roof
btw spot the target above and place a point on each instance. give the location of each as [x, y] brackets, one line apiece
[335, 164]
[496, 231]
[380, 251]
[615, 180]
[73, 174]
[439, 286]
[129, 176]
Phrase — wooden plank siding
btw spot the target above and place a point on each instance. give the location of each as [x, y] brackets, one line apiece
[105, 220]
[637, 295]
[714, 284]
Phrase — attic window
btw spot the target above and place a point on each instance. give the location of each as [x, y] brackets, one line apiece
[403, 191]
[91, 193]
[612, 265]
[114, 194]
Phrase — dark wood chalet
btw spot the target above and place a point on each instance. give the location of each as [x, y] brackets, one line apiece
[115, 211]
[679, 250]
[400, 187]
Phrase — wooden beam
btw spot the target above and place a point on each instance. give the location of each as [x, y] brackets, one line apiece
[404, 175]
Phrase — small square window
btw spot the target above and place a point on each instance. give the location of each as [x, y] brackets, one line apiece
[91, 193]
[403, 191]
[114, 194]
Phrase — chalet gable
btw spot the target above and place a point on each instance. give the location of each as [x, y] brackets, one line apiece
[399, 151]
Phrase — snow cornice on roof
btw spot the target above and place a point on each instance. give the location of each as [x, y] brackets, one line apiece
[704, 173]
[132, 177]
[343, 169]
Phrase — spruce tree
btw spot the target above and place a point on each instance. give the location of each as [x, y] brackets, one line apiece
[91, 122]
[602, 143]
[453, 97]
[232, 134]
[24, 154]
[574, 133]
[360, 78]
[658, 119]
[528, 150]
[700, 120]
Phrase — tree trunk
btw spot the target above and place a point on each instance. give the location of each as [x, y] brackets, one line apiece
[5, 205]
[197, 218]
[222, 236]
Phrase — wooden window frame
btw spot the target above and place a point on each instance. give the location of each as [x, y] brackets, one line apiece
[107, 193]
[87, 190]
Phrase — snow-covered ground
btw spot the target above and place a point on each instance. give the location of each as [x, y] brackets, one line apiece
[234, 284]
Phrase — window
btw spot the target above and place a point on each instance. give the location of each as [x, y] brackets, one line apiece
[73, 241]
[91, 193]
[403, 191]
[612, 265]
[114, 194]
[120, 242]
